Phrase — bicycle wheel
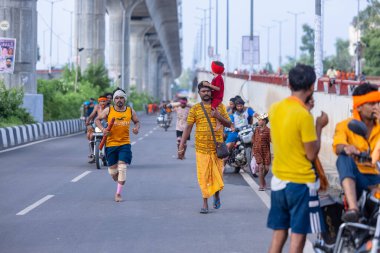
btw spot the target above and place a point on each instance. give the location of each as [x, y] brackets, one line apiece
[98, 159]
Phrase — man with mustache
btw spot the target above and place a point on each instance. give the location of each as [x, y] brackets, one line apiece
[118, 145]
[354, 176]
[209, 166]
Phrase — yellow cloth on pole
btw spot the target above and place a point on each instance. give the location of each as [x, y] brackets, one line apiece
[209, 173]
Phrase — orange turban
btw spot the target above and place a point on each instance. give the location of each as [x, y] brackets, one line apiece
[373, 96]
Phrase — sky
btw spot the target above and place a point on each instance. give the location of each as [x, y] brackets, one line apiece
[338, 15]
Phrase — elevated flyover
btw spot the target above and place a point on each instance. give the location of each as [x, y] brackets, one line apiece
[143, 45]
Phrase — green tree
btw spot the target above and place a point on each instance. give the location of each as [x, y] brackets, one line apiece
[342, 59]
[11, 110]
[97, 74]
[139, 99]
[369, 18]
[307, 46]
[372, 52]
[185, 79]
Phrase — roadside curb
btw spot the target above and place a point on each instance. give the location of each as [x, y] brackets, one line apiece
[19, 135]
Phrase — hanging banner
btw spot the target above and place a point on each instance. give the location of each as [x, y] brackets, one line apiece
[7, 55]
[250, 50]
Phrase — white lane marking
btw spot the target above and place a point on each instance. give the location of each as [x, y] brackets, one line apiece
[133, 143]
[266, 200]
[141, 138]
[36, 204]
[81, 176]
[146, 135]
[262, 195]
[150, 131]
[36, 142]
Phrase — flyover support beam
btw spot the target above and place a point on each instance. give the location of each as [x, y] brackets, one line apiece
[22, 19]
[90, 31]
[138, 53]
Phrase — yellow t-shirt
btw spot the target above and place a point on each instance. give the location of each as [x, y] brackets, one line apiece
[204, 142]
[119, 134]
[291, 125]
[343, 135]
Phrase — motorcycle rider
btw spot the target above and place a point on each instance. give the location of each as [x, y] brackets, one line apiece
[240, 118]
[354, 176]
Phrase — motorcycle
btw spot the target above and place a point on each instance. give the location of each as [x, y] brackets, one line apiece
[99, 154]
[240, 155]
[164, 121]
[362, 236]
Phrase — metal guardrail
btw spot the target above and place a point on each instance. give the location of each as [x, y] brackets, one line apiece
[339, 87]
[19, 135]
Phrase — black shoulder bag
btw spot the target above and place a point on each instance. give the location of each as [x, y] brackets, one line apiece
[221, 147]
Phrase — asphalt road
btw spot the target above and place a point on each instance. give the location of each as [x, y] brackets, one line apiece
[52, 200]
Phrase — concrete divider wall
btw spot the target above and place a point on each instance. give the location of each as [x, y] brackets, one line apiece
[260, 96]
[18, 135]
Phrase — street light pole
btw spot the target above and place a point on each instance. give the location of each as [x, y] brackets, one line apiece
[318, 41]
[268, 41]
[251, 40]
[209, 23]
[279, 22]
[52, 2]
[71, 38]
[358, 45]
[216, 29]
[295, 14]
[204, 30]
[227, 37]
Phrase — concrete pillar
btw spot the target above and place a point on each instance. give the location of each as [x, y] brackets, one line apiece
[22, 19]
[153, 73]
[115, 42]
[137, 52]
[145, 80]
[90, 31]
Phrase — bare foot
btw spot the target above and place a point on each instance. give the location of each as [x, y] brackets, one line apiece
[118, 198]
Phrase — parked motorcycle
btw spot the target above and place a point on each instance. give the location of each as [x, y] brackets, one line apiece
[240, 155]
[164, 121]
[362, 236]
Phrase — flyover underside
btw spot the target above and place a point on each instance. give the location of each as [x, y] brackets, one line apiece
[143, 43]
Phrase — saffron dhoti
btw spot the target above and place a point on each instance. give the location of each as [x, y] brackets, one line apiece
[209, 173]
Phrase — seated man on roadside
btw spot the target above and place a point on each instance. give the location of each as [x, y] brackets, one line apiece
[354, 176]
[240, 118]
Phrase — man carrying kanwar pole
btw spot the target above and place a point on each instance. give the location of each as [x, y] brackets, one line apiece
[118, 144]
[209, 166]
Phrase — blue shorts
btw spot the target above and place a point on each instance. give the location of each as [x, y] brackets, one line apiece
[347, 168]
[119, 153]
[296, 207]
[232, 137]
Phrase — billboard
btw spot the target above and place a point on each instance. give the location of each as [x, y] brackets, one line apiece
[250, 50]
[7, 55]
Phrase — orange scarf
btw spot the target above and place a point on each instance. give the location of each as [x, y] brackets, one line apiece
[373, 96]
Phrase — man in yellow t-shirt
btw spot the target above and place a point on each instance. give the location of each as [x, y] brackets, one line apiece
[209, 166]
[118, 145]
[354, 176]
[296, 143]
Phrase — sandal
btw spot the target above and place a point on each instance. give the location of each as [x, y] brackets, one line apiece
[261, 188]
[351, 215]
[204, 210]
[217, 203]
